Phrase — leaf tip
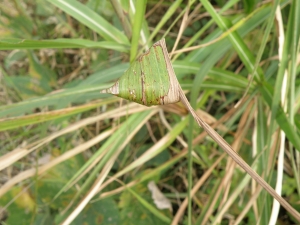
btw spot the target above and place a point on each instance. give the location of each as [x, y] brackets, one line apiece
[114, 90]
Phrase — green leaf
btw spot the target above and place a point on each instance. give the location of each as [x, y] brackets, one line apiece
[17, 122]
[71, 95]
[15, 43]
[39, 82]
[150, 80]
[104, 211]
[290, 41]
[249, 5]
[88, 89]
[135, 207]
[172, 9]
[20, 211]
[238, 43]
[281, 117]
[91, 19]
[106, 75]
[137, 26]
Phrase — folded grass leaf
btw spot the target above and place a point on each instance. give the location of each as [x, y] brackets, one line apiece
[147, 81]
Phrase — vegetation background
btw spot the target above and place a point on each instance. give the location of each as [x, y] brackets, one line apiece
[69, 153]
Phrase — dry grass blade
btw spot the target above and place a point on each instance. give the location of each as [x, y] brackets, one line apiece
[228, 149]
[102, 176]
[280, 167]
[17, 154]
[248, 206]
[42, 169]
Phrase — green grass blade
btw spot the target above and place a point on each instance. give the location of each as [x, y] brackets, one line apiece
[237, 42]
[293, 95]
[128, 128]
[290, 43]
[224, 45]
[151, 208]
[165, 18]
[137, 26]
[66, 96]
[14, 43]
[281, 117]
[18, 122]
[153, 151]
[92, 20]
[217, 76]
[88, 89]
[248, 60]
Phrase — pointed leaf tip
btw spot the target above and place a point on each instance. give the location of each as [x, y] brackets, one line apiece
[114, 90]
[150, 80]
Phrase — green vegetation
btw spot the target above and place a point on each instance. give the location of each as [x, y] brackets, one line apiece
[70, 153]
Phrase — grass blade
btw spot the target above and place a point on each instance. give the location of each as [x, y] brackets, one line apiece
[137, 26]
[91, 19]
[14, 43]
